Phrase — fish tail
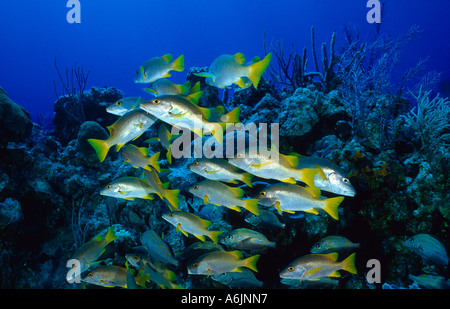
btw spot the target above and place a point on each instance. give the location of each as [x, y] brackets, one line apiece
[218, 134]
[110, 236]
[307, 175]
[331, 206]
[172, 197]
[257, 70]
[247, 179]
[169, 154]
[154, 162]
[101, 147]
[178, 64]
[214, 235]
[232, 117]
[251, 262]
[194, 97]
[349, 264]
[252, 205]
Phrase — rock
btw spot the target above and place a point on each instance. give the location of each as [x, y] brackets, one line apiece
[10, 212]
[15, 122]
[90, 129]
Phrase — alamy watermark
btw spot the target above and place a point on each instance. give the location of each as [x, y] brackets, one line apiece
[74, 273]
[74, 14]
[374, 15]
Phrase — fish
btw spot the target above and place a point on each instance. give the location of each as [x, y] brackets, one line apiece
[330, 178]
[319, 283]
[430, 281]
[199, 248]
[158, 67]
[330, 244]
[220, 169]
[219, 262]
[139, 157]
[181, 113]
[124, 105]
[291, 198]
[314, 266]
[129, 188]
[164, 137]
[128, 127]
[218, 193]
[227, 70]
[40, 185]
[162, 276]
[139, 260]
[164, 86]
[273, 165]
[238, 280]
[210, 212]
[429, 248]
[112, 276]
[265, 220]
[188, 223]
[88, 253]
[157, 248]
[171, 196]
[246, 239]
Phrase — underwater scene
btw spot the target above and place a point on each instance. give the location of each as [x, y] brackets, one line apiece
[206, 145]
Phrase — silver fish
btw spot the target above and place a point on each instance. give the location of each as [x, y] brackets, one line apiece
[246, 239]
[429, 248]
[157, 248]
[330, 244]
[239, 280]
[266, 220]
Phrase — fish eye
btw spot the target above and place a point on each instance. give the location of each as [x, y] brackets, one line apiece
[318, 246]
[229, 236]
[90, 274]
[411, 240]
[118, 103]
[195, 162]
[195, 265]
[262, 193]
[156, 101]
[108, 187]
[136, 257]
[345, 180]
[196, 187]
[240, 155]
[171, 214]
[291, 268]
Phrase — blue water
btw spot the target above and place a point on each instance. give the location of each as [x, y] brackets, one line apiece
[115, 37]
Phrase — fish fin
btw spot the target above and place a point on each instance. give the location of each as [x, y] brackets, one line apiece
[235, 182]
[205, 199]
[172, 197]
[240, 82]
[167, 75]
[110, 236]
[201, 237]
[333, 256]
[313, 271]
[240, 58]
[292, 160]
[232, 116]
[206, 113]
[251, 262]
[312, 211]
[178, 64]
[257, 70]
[295, 154]
[154, 162]
[207, 223]
[218, 135]
[236, 253]
[321, 172]
[349, 264]
[118, 146]
[151, 140]
[220, 109]
[214, 235]
[199, 132]
[101, 147]
[142, 279]
[151, 91]
[169, 155]
[335, 274]
[238, 192]
[167, 58]
[252, 206]
[290, 180]
[237, 270]
[235, 208]
[194, 97]
[148, 197]
[277, 206]
[306, 175]
[195, 88]
[315, 192]
[331, 206]
[129, 198]
[204, 74]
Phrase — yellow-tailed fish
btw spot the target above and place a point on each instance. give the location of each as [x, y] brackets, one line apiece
[273, 165]
[164, 86]
[246, 239]
[330, 178]
[110, 276]
[220, 169]
[218, 193]
[158, 67]
[219, 262]
[89, 252]
[314, 266]
[157, 248]
[198, 248]
[171, 196]
[181, 113]
[129, 188]
[128, 127]
[333, 243]
[247, 81]
[429, 248]
[188, 223]
[124, 105]
[227, 70]
[139, 157]
[291, 198]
